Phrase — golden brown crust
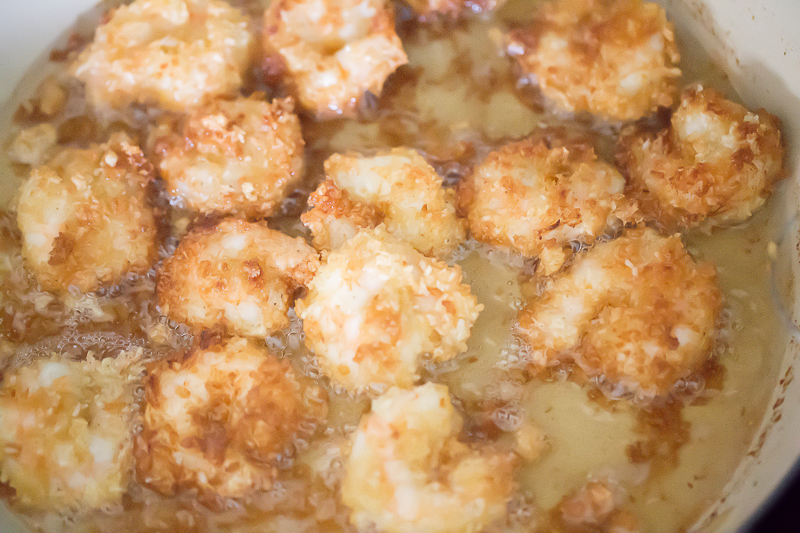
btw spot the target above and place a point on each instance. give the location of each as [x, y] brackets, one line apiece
[220, 420]
[67, 431]
[86, 218]
[406, 470]
[334, 216]
[333, 51]
[397, 188]
[537, 197]
[171, 53]
[232, 157]
[377, 305]
[613, 58]
[714, 164]
[637, 313]
[237, 275]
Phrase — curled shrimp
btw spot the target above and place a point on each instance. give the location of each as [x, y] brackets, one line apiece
[406, 470]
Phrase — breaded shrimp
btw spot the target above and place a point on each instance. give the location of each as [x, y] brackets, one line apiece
[235, 157]
[398, 188]
[406, 470]
[539, 199]
[377, 306]
[221, 419]
[239, 275]
[85, 216]
[67, 431]
[713, 165]
[637, 313]
[613, 58]
[171, 53]
[334, 50]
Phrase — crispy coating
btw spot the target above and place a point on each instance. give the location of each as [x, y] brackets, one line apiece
[67, 426]
[334, 50]
[171, 53]
[31, 145]
[613, 58]
[406, 470]
[398, 188]
[238, 157]
[85, 216]
[376, 306]
[714, 164]
[636, 312]
[220, 420]
[238, 275]
[538, 199]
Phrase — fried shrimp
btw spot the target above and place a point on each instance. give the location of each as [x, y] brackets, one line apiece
[636, 313]
[221, 420]
[714, 164]
[171, 53]
[406, 470]
[67, 426]
[612, 58]
[85, 216]
[239, 275]
[537, 199]
[398, 188]
[377, 306]
[235, 157]
[334, 51]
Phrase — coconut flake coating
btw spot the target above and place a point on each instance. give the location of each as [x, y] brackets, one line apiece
[638, 313]
[334, 50]
[612, 58]
[237, 275]
[86, 218]
[406, 470]
[232, 157]
[175, 54]
[397, 188]
[538, 197]
[376, 306]
[713, 164]
[221, 419]
[67, 431]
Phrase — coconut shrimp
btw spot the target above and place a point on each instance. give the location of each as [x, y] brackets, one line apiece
[237, 157]
[334, 51]
[376, 306]
[714, 164]
[239, 275]
[67, 431]
[86, 218]
[398, 188]
[171, 53]
[538, 198]
[221, 419]
[406, 470]
[612, 58]
[637, 313]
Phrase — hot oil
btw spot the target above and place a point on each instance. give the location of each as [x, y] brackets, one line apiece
[456, 100]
